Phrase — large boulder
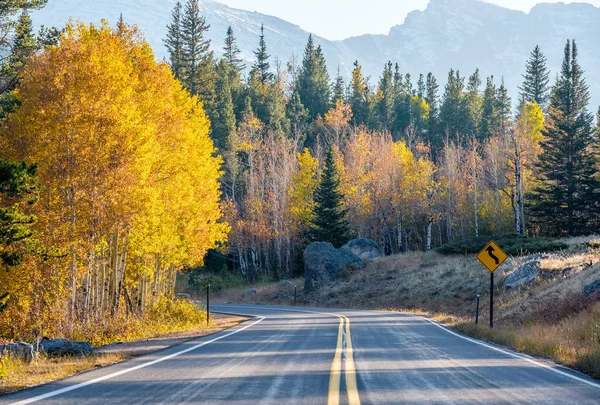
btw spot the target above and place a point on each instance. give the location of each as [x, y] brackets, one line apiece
[249, 293]
[19, 351]
[322, 262]
[364, 248]
[592, 288]
[64, 347]
[524, 274]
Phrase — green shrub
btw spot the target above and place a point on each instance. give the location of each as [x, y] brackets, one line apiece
[512, 244]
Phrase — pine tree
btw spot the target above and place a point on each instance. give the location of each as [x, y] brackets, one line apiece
[489, 112]
[452, 119]
[339, 89]
[262, 65]
[174, 42]
[298, 116]
[18, 187]
[421, 87]
[197, 59]
[232, 52]
[387, 99]
[503, 107]
[536, 79]
[329, 223]
[313, 81]
[359, 96]
[566, 201]
[472, 105]
[224, 123]
[435, 139]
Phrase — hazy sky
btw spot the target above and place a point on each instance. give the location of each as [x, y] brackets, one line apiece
[354, 17]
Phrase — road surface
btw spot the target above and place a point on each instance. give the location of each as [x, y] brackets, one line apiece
[292, 355]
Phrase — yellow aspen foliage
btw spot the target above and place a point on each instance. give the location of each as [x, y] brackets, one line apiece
[128, 176]
[302, 190]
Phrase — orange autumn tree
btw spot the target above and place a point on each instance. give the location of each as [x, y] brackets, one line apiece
[128, 176]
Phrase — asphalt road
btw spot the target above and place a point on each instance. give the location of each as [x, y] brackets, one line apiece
[312, 356]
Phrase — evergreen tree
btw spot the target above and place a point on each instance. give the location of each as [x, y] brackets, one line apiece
[313, 81]
[536, 84]
[197, 58]
[566, 200]
[359, 96]
[338, 90]
[18, 187]
[472, 106]
[298, 116]
[435, 140]
[224, 123]
[452, 120]
[329, 223]
[489, 113]
[262, 65]
[421, 87]
[403, 116]
[386, 99]
[503, 108]
[175, 40]
[232, 52]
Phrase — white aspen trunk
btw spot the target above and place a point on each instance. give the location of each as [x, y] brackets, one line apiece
[429, 226]
[73, 283]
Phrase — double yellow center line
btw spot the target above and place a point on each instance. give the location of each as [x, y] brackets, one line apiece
[336, 367]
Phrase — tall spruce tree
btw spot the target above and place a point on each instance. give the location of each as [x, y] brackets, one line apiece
[536, 84]
[262, 66]
[329, 223]
[566, 200]
[231, 52]
[434, 137]
[488, 126]
[197, 58]
[313, 81]
[387, 99]
[503, 108]
[452, 117]
[175, 40]
[224, 123]
[18, 188]
[359, 96]
[339, 89]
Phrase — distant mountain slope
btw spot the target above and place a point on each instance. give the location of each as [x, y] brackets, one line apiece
[460, 34]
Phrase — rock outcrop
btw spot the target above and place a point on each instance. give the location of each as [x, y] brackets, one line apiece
[524, 274]
[64, 347]
[322, 262]
[19, 351]
[592, 288]
[364, 248]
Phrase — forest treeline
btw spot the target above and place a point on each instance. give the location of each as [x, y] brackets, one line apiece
[419, 165]
[117, 171]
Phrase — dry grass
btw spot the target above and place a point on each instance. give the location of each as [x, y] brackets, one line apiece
[18, 375]
[548, 317]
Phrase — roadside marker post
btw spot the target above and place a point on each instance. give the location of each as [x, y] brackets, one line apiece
[492, 257]
[295, 287]
[477, 309]
[207, 303]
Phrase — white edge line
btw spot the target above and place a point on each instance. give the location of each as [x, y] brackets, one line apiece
[518, 356]
[118, 373]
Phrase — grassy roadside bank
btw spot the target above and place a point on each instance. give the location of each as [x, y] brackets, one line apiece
[548, 318]
[180, 322]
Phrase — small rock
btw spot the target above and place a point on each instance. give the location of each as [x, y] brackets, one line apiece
[592, 288]
[19, 351]
[567, 272]
[524, 274]
[286, 283]
[64, 347]
[183, 296]
[249, 293]
[364, 248]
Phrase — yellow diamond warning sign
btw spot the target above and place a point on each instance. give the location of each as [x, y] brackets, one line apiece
[492, 256]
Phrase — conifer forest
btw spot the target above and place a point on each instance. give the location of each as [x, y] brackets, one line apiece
[118, 171]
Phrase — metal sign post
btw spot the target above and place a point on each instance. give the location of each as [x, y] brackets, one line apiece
[492, 257]
[477, 309]
[207, 303]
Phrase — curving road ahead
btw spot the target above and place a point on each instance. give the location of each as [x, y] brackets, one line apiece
[288, 355]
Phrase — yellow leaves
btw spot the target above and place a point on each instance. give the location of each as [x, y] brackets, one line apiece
[302, 189]
[121, 147]
[419, 107]
[339, 116]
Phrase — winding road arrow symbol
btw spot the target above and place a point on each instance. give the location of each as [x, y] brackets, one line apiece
[491, 251]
